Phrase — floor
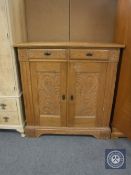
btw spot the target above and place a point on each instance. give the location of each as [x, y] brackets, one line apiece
[58, 155]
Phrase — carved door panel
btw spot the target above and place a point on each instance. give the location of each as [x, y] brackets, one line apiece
[86, 93]
[49, 93]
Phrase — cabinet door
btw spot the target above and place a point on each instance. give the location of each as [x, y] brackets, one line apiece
[86, 93]
[7, 82]
[49, 93]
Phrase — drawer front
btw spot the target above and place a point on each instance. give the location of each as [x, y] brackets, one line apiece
[9, 118]
[47, 53]
[89, 54]
[8, 105]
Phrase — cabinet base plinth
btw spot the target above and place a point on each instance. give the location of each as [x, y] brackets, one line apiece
[100, 133]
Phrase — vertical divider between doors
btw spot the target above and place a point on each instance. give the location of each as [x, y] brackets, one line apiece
[69, 19]
[67, 88]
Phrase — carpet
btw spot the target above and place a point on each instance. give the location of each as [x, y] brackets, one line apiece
[58, 155]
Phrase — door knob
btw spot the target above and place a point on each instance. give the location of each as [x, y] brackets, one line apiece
[72, 97]
[63, 97]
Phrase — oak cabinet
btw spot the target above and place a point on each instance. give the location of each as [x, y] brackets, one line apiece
[67, 32]
[68, 91]
[75, 40]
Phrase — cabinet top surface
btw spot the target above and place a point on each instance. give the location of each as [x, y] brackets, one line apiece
[68, 45]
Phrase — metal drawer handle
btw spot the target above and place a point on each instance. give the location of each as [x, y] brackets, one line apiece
[6, 119]
[3, 106]
[47, 53]
[89, 54]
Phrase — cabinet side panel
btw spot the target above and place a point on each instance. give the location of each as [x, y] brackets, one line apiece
[109, 93]
[26, 85]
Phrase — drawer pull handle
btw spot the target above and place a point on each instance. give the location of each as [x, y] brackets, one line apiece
[63, 97]
[47, 53]
[89, 54]
[6, 119]
[3, 106]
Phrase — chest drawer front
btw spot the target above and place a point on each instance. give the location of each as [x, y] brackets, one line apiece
[47, 54]
[8, 105]
[9, 118]
[89, 54]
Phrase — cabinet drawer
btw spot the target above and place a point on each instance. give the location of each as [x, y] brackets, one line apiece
[9, 118]
[47, 54]
[89, 54]
[8, 105]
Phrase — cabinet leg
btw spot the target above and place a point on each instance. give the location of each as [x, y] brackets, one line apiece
[30, 132]
[21, 130]
[103, 135]
[116, 134]
[23, 134]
